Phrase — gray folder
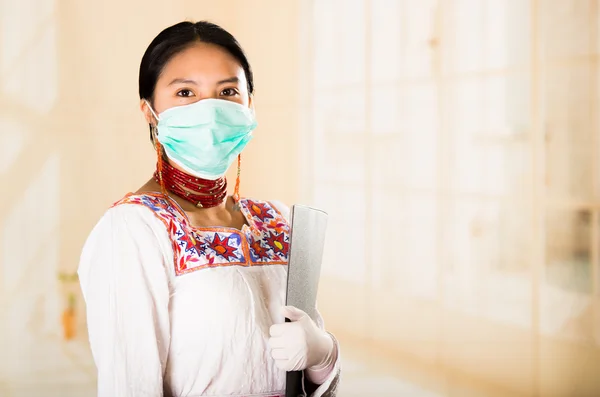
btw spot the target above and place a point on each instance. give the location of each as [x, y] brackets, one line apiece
[307, 240]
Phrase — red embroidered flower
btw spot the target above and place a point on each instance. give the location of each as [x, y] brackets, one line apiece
[277, 241]
[261, 211]
[259, 251]
[222, 248]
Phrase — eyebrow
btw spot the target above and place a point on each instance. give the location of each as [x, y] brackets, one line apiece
[233, 79]
[183, 81]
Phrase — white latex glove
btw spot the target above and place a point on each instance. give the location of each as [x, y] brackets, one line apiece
[300, 344]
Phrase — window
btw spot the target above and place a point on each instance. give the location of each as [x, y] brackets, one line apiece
[455, 146]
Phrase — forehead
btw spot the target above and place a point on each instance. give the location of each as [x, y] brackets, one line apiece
[202, 61]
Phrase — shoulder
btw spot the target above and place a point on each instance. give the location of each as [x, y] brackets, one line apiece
[127, 240]
[122, 220]
[134, 214]
[150, 204]
[153, 201]
[283, 209]
[139, 208]
[256, 206]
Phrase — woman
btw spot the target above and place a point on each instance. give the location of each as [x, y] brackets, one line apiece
[184, 285]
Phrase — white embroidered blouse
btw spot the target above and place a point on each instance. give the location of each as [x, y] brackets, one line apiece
[178, 311]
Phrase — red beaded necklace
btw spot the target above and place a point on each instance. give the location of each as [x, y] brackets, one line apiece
[203, 193]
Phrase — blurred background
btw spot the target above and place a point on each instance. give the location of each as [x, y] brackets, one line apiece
[454, 143]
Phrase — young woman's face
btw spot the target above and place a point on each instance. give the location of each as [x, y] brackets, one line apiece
[199, 72]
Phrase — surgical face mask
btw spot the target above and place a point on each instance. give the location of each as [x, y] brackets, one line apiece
[205, 137]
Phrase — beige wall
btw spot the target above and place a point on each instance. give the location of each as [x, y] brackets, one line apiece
[72, 141]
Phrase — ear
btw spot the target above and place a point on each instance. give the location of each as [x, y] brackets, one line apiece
[251, 101]
[145, 108]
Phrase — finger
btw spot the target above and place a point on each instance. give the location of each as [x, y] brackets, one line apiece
[277, 343]
[293, 313]
[283, 365]
[277, 329]
[279, 354]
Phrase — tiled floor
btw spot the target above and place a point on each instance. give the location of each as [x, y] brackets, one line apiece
[381, 386]
[361, 377]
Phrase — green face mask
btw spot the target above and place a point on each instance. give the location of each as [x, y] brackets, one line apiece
[205, 137]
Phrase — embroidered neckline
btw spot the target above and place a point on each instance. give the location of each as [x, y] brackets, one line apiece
[251, 226]
[194, 249]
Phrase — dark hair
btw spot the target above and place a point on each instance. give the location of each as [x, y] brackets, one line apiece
[177, 38]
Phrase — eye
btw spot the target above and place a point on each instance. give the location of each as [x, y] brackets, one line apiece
[229, 92]
[185, 93]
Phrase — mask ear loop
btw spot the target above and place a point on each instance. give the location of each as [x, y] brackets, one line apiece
[159, 153]
[152, 110]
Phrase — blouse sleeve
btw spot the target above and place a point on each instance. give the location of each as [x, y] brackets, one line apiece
[125, 285]
[330, 384]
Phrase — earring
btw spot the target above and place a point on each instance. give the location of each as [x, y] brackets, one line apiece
[236, 191]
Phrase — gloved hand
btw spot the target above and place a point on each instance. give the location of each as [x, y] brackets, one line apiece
[300, 344]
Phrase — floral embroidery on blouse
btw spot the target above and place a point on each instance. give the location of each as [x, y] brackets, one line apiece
[264, 242]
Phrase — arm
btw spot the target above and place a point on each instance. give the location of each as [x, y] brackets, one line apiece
[126, 289]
